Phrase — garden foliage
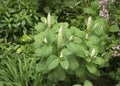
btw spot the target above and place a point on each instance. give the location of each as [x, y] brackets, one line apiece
[58, 43]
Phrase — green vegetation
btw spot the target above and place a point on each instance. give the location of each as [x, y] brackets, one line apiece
[59, 43]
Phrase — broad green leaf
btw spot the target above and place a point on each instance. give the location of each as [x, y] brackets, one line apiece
[53, 20]
[50, 59]
[101, 23]
[42, 52]
[81, 71]
[95, 4]
[91, 68]
[41, 66]
[79, 33]
[92, 40]
[73, 63]
[114, 28]
[43, 19]
[99, 61]
[49, 51]
[77, 40]
[81, 50]
[72, 47]
[40, 27]
[64, 64]
[77, 49]
[89, 10]
[76, 85]
[51, 37]
[66, 52]
[54, 64]
[87, 83]
[64, 25]
[67, 33]
[56, 27]
[99, 31]
[39, 38]
[59, 72]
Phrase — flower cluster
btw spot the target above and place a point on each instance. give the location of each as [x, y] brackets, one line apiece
[116, 51]
[103, 5]
[113, 1]
[104, 11]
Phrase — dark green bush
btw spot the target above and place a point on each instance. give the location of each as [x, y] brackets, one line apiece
[17, 17]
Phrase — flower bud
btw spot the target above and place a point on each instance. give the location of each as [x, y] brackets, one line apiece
[48, 20]
[60, 37]
[86, 36]
[93, 52]
[45, 40]
[89, 24]
[71, 37]
[61, 55]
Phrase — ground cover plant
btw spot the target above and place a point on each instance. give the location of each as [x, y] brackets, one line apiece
[59, 43]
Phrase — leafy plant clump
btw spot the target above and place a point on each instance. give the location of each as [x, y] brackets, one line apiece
[17, 17]
[68, 53]
[77, 46]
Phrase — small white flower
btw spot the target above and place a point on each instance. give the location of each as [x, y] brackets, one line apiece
[45, 40]
[101, 27]
[86, 36]
[95, 25]
[71, 37]
[93, 52]
[61, 55]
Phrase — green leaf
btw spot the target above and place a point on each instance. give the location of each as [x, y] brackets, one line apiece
[64, 64]
[50, 59]
[67, 33]
[49, 51]
[59, 73]
[39, 38]
[81, 50]
[40, 27]
[81, 71]
[92, 40]
[76, 85]
[77, 49]
[114, 28]
[66, 52]
[51, 37]
[44, 51]
[73, 63]
[53, 20]
[79, 33]
[43, 19]
[99, 31]
[87, 83]
[41, 66]
[99, 61]
[54, 64]
[72, 47]
[89, 10]
[91, 68]
[77, 40]
[95, 4]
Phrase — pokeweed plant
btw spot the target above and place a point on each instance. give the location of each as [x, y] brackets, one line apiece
[67, 54]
